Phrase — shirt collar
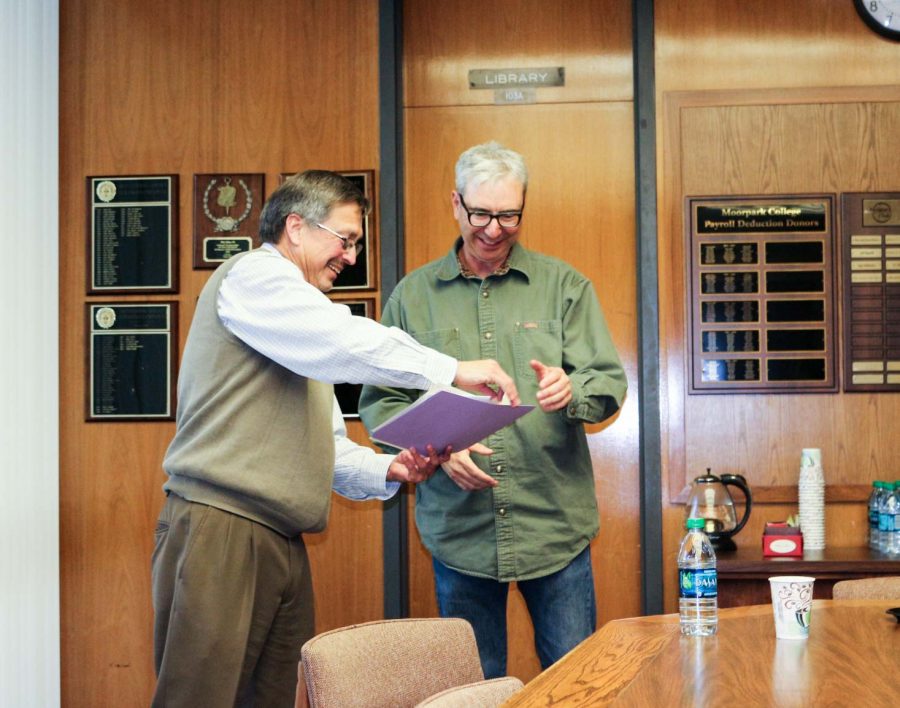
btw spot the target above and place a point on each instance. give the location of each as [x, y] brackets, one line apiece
[518, 260]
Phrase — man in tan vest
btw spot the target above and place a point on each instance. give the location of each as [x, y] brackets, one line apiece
[260, 444]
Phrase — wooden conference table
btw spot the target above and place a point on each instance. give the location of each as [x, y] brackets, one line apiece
[852, 656]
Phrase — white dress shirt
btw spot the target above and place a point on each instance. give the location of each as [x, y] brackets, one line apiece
[265, 302]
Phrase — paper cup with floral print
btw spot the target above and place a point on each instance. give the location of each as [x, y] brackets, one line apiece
[792, 605]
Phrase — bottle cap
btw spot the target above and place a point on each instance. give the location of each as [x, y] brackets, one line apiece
[694, 523]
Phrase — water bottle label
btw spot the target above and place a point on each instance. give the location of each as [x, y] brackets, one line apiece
[873, 519]
[885, 522]
[698, 582]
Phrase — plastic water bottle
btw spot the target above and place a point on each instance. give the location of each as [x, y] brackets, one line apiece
[894, 544]
[882, 516]
[697, 582]
[874, 499]
[889, 520]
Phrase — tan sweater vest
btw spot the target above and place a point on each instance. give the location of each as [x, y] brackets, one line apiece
[252, 437]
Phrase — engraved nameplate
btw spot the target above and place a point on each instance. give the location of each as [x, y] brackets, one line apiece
[881, 212]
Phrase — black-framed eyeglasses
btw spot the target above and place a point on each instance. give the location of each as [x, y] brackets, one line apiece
[346, 242]
[480, 219]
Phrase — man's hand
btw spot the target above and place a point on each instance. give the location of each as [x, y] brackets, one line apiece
[476, 375]
[554, 386]
[465, 473]
[410, 466]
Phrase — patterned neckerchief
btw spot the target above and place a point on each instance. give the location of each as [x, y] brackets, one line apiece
[465, 272]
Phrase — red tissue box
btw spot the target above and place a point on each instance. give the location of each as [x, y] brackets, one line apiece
[779, 539]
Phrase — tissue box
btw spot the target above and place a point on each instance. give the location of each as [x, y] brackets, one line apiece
[779, 539]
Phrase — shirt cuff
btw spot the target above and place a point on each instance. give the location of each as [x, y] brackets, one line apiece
[440, 368]
[577, 411]
[375, 471]
[584, 411]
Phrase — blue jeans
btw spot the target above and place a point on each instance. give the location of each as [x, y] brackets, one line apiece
[562, 606]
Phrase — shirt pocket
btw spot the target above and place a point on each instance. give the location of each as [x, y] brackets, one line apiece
[445, 341]
[537, 339]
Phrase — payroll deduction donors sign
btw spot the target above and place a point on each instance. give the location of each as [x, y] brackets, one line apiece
[516, 85]
[762, 294]
[767, 218]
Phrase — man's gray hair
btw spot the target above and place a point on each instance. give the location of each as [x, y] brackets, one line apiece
[311, 195]
[489, 162]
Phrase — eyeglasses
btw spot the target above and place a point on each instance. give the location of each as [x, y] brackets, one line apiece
[480, 219]
[346, 242]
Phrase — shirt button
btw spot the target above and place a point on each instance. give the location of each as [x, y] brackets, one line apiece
[571, 410]
[487, 335]
[499, 469]
[501, 511]
[485, 293]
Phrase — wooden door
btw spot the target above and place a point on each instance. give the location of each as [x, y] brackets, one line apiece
[577, 142]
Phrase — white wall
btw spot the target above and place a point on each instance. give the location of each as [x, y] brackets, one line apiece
[29, 353]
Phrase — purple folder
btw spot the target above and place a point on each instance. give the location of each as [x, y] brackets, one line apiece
[444, 417]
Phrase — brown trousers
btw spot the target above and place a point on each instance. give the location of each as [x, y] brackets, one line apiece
[233, 605]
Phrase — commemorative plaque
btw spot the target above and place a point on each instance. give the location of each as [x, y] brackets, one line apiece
[226, 216]
[762, 295]
[132, 227]
[347, 393]
[131, 361]
[362, 275]
[871, 288]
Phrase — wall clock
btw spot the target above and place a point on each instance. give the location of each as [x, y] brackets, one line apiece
[882, 16]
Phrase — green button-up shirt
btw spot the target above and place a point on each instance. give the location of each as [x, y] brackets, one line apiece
[543, 512]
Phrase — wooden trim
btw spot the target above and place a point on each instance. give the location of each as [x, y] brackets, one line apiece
[787, 494]
[648, 308]
[395, 518]
[837, 562]
[780, 96]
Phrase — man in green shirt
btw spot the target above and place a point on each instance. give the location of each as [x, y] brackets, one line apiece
[521, 507]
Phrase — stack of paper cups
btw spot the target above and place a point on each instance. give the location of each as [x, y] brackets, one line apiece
[811, 494]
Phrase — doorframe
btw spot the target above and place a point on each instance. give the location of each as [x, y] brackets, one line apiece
[395, 524]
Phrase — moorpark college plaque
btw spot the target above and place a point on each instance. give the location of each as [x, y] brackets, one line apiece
[762, 303]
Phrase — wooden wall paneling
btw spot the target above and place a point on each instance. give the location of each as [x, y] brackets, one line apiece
[592, 40]
[716, 48]
[346, 562]
[733, 44]
[188, 88]
[811, 131]
[580, 209]
[752, 142]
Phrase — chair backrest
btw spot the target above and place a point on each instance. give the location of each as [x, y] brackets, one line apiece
[482, 694]
[393, 663]
[886, 588]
